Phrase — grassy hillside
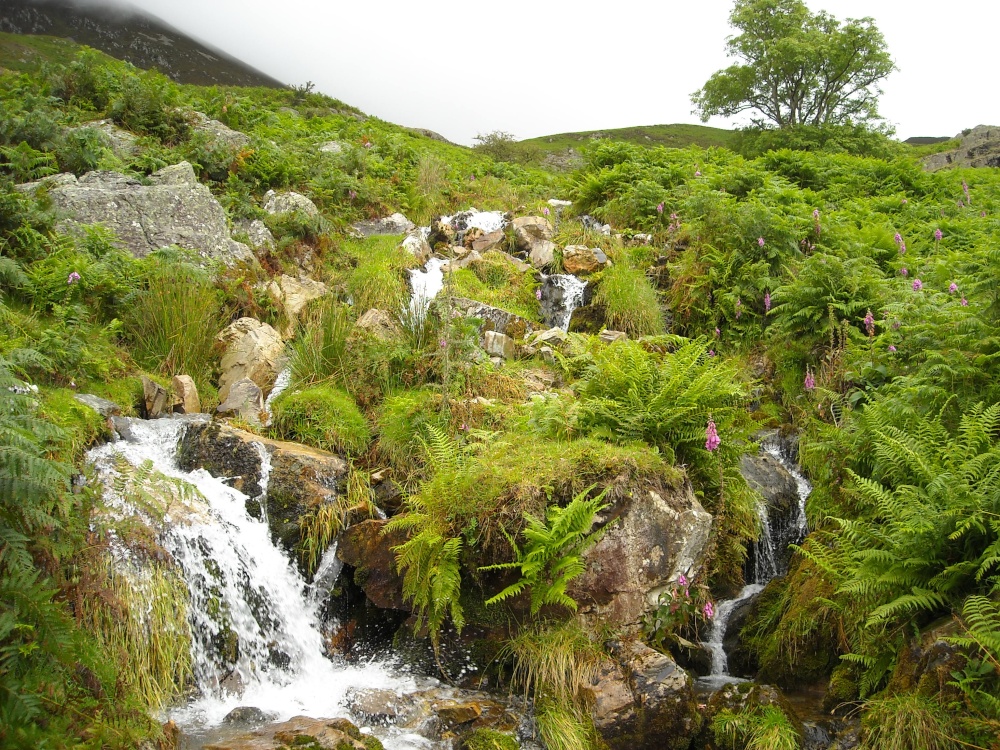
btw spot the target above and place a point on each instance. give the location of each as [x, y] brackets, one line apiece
[130, 34]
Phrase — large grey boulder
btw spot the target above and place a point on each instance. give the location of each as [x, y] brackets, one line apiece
[244, 399]
[254, 350]
[416, 245]
[657, 535]
[219, 134]
[494, 319]
[121, 142]
[533, 237]
[288, 203]
[174, 209]
[294, 294]
[980, 147]
[394, 224]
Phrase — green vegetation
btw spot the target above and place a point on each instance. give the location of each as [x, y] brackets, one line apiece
[818, 281]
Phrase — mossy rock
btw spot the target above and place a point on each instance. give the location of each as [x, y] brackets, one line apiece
[588, 319]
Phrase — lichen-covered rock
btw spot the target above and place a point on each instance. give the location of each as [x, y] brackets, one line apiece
[301, 478]
[533, 237]
[416, 245]
[259, 237]
[378, 323]
[494, 319]
[394, 224]
[498, 345]
[581, 260]
[294, 294]
[101, 405]
[288, 203]
[656, 535]
[254, 350]
[174, 209]
[643, 701]
[487, 241]
[121, 142]
[220, 135]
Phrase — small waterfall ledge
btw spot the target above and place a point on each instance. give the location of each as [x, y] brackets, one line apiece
[256, 638]
[561, 295]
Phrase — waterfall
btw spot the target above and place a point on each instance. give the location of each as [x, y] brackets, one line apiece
[561, 295]
[281, 383]
[765, 568]
[256, 638]
[425, 283]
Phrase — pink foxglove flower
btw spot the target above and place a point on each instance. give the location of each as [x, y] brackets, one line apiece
[73, 278]
[697, 173]
[760, 242]
[712, 440]
[659, 208]
[938, 234]
[903, 272]
[739, 308]
[953, 287]
[717, 333]
[708, 610]
[898, 238]
[892, 348]
[870, 323]
[810, 382]
[767, 302]
[538, 294]
[711, 352]
[917, 285]
[682, 580]
[545, 210]
[965, 302]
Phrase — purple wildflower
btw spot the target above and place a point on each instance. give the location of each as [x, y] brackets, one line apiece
[892, 348]
[697, 173]
[73, 278]
[917, 285]
[682, 580]
[905, 201]
[659, 208]
[545, 210]
[982, 214]
[902, 248]
[898, 238]
[870, 323]
[903, 272]
[443, 343]
[810, 382]
[709, 610]
[816, 214]
[767, 302]
[965, 302]
[760, 242]
[464, 427]
[538, 294]
[895, 325]
[953, 287]
[965, 189]
[717, 333]
[712, 440]
[711, 352]
[352, 194]
[739, 308]
[938, 235]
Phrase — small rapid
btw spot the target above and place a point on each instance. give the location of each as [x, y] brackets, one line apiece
[561, 295]
[254, 621]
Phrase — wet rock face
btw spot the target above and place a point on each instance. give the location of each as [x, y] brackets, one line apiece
[174, 209]
[494, 319]
[533, 238]
[301, 478]
[643, 701]
[765, 474]
[369, 552]
[301, 731]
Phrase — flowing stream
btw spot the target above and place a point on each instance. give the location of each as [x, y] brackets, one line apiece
[561, 295]
[766, 565]
[425, 284]
[256, 636]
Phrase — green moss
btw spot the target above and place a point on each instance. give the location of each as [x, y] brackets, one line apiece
[488, 739]
[496, 281]
[322, 416]
[378, 278]
[81, 425]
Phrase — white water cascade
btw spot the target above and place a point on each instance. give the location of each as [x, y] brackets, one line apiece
[425, 284]
[256, 637]
[561, 295]
[765, 567]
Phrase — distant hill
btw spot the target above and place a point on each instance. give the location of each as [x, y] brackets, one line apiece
[124, 32]
[560, 150]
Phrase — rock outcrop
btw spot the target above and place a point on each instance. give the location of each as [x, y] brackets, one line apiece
[494, 319]
[394, 224]
[174, 209]
[416, 245]
[656, 536]
[289, 203]
[300, 478]
[293, 295]
[369, 552]
[980, 147]
[581, 260]
[643, 701]
[254, 350]
[533, 237]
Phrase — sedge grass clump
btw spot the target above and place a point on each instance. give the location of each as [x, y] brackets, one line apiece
[320, 351]
[756, 728]
[323, 416]
[378, 281]
[907, 722]
[402, 425]
[172, 320]
[322, 524]
[629, 301]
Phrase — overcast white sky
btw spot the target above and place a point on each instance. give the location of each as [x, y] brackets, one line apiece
[533, 68]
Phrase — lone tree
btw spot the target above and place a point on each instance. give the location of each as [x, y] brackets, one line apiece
[797, 68]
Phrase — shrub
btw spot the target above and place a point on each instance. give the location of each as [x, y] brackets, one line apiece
[629, 301]
[323, 416]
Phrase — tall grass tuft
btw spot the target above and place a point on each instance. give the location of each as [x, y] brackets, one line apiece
[756, 728]
[629, 301]
[907, 722]
[171, 322]
[320, 351]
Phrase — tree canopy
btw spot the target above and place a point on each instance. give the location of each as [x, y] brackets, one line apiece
[797, 67]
